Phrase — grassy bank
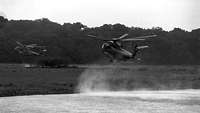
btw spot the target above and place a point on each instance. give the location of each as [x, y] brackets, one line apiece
[17, 80]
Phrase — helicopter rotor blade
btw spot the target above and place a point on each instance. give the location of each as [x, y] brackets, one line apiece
[20, 44]
[32, 45]
[35, 46]
[149, 36]
[132, 39]
[140, 38]
[121, 37]
[35, 53]
[99, 38]
[142, 47]
[92, 36]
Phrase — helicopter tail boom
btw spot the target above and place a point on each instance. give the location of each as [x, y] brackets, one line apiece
[142, 47]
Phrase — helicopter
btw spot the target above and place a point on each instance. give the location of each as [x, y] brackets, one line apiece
[113, 48]
[29, 49]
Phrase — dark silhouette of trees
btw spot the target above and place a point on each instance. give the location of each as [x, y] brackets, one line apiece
[2, 21]
[69, 42]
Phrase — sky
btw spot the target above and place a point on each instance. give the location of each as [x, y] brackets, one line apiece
[167, 14]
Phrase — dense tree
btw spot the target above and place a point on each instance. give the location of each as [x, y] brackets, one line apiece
[69, 41]
[2, 21]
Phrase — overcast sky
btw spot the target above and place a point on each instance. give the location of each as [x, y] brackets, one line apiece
[167, 14]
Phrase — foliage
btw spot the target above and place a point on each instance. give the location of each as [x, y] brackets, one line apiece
[70, 42]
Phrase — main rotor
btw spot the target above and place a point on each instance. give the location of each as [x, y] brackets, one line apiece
[123, 38]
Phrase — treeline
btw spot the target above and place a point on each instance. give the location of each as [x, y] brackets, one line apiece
[70, 43]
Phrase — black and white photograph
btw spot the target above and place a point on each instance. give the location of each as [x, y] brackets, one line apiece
[99, 56]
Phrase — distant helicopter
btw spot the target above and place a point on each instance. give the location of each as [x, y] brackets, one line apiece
[114, 50]
[29, 49]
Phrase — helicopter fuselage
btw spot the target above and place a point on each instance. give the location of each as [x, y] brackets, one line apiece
[113, 47]
[115, 51]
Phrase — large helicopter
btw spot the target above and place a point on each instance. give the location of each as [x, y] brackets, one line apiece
[113, 48]
[29, 49]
